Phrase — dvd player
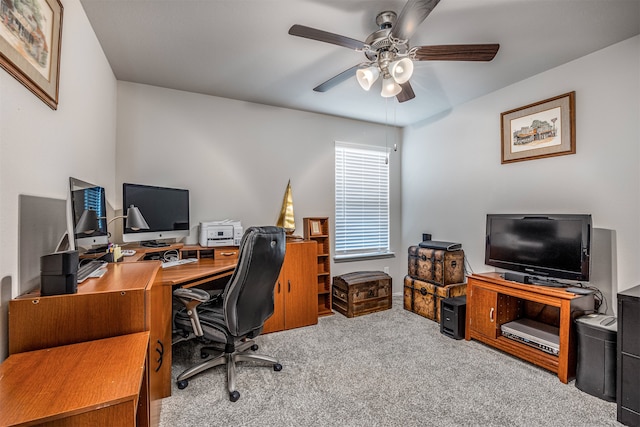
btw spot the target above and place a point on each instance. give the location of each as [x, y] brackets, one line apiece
[533, 333]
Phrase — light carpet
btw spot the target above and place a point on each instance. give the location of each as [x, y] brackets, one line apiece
[391, 368]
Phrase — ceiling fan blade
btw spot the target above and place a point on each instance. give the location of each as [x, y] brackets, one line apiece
[335, 80]
[323, 36]
[412, 15]
[457, 52]
[406, 94]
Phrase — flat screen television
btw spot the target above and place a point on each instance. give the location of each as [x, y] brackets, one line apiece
[554, 246]
[84, 196]
[166, 211]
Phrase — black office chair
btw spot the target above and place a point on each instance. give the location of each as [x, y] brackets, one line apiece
[238, 314]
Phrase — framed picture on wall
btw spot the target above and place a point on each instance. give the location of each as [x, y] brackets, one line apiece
[539, 130]
[30, 34]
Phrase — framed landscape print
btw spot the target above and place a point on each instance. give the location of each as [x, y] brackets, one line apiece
[543, 129]
[30, 33]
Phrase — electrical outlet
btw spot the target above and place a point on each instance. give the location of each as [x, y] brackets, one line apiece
[386, 270]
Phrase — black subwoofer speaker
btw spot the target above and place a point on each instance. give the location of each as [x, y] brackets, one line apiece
[452, 316]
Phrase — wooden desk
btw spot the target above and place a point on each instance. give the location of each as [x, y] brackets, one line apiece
[97, 383]
[198, 273]
[131, 297]
[213, 263]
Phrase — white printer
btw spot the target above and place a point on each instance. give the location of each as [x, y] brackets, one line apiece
[220, 233]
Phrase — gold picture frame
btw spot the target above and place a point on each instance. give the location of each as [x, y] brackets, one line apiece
[543, 129]
[30, 40]
[315, 227]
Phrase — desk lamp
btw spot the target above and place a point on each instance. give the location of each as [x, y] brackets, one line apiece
[88, 222]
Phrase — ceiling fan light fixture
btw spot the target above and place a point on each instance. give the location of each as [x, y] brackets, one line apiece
[367, 77]
[401, 70]
[390, 87]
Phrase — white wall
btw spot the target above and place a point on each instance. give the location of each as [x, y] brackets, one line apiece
[40, 148]
[452, 175]
[236, 158]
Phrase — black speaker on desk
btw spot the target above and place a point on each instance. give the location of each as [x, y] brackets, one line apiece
[453, 312]
[58, 273]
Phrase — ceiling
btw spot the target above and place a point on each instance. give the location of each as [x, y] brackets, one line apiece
[240, 49]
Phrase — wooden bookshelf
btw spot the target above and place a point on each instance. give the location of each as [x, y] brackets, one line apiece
[317, 228]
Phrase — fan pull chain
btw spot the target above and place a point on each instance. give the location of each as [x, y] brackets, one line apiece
[386, 131]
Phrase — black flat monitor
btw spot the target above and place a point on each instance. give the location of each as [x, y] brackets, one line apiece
[166, 211]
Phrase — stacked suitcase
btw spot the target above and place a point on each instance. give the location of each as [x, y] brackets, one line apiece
[434, 274]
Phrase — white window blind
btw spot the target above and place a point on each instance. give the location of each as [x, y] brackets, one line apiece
[362, 201]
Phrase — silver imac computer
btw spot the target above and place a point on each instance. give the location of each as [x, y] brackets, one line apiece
[166, 210]
[85, 201]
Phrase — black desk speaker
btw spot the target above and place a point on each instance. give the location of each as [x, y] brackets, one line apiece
[453, 312]
[58, 273]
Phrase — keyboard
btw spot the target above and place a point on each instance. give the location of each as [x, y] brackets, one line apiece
[93, 268]
[167, 264]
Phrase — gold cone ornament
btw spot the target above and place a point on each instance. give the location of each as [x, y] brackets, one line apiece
[286, 219]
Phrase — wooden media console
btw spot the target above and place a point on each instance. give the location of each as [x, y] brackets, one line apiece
[493, 301]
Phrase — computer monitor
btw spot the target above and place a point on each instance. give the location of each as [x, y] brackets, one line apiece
[166, 211]
[84, 197]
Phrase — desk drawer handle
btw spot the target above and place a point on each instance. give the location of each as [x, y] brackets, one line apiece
[491, 314]
[160, 355]
[227, 253]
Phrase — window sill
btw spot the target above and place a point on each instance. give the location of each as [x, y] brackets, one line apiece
[363, 257]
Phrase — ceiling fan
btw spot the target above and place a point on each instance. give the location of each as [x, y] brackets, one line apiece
[388, 52]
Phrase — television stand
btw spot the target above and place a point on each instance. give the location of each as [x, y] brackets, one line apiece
[154, 244]
[493, 301]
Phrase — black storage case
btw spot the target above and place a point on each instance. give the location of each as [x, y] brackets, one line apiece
[453, 312]
[628, 387]
[58, 273]
[596, 366]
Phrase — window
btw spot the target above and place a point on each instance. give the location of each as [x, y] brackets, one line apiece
[362, 201]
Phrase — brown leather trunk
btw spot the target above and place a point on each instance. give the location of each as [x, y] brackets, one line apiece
[436, 266]
[362, 292]
[424, 298]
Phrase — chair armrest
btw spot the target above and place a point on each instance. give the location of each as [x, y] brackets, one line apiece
[192, 298]
[192, 293]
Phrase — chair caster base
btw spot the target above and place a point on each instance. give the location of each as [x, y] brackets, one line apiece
[277, 367]
[183, 384]
[234, 396]
[254, 347]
